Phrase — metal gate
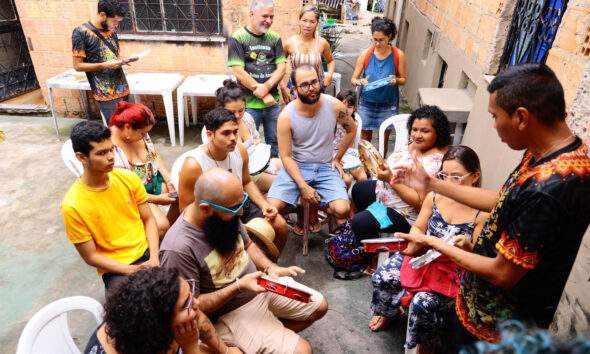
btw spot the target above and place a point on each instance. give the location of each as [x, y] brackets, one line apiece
[17, 74]
[533, 29]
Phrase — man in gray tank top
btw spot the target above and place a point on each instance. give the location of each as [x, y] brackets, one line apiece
[306, 130]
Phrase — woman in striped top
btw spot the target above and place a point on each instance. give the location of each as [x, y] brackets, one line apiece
[308, 47]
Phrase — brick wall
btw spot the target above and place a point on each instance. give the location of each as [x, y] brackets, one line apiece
[48, 25]
[472, 26]
[568, 55]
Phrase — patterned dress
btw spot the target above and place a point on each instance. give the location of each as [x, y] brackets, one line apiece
[426, 308]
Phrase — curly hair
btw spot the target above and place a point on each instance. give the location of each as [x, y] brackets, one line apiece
[439, 120]
[385, 25]
[139, 313]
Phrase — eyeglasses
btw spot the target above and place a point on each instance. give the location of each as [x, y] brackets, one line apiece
[234, 210]
[193, 284]
[380, 40]
[452, 178]
[307, 85]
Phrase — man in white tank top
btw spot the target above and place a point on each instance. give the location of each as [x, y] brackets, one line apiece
[306, 129]
[223, 151]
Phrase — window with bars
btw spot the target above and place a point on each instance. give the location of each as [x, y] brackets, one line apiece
[172, 17]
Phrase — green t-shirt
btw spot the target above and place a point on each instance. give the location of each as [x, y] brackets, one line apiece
[259, 56]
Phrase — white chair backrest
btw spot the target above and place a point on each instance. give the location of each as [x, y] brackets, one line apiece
[69, 157]
[204, 138]
[399, 122]
[48, 332]
[359, 128]
[177, 166]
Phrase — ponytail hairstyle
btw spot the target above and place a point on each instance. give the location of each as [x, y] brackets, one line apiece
[137, 115]
[313, 9]
[385, 25]
[230, 91]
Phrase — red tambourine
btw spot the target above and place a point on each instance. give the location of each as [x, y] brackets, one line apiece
[387, 244]
[284, 288]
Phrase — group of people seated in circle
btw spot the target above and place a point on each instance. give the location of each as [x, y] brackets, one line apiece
[190, 279]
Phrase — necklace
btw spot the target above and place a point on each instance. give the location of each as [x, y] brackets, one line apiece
[552, 147]
[214, 160]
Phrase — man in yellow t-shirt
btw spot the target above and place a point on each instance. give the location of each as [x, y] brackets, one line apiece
[105, 211]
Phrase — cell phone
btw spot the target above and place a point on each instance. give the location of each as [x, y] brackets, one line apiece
[173, 195]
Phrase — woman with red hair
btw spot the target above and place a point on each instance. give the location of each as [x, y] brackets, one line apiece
[135, 151]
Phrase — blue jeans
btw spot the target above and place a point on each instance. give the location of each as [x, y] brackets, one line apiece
[268, 116]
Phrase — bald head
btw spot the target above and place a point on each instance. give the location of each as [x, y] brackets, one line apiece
[218, 186]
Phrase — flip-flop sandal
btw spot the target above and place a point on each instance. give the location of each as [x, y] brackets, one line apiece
[298, 230]
[348, 275]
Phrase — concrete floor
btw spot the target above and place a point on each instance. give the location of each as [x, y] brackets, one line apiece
[38, 265]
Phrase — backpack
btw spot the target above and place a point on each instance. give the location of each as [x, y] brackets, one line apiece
[343, 251]
[395, 59]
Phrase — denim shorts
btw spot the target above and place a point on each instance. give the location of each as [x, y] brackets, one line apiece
[320, 176]
[373, 114]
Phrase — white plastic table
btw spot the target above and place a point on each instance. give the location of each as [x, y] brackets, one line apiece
[69, 80]
[157, 84]
[195, 86]
[456, 104]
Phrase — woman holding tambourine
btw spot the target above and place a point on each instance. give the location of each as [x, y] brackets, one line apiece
[385, 207]
[379, 72]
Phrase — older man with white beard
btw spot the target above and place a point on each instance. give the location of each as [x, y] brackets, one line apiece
[256, 58]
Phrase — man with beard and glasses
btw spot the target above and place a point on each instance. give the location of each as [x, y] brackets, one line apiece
[208, 243]
[95, 48]
[222, 150]
[306, 131]
[256, 58]
[105, 211]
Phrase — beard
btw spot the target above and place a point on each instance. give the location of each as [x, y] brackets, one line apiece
[262, 28]
[307, 99]
[104, 25]
[222, 235]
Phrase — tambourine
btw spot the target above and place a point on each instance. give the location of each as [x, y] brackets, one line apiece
[259, 158]
[386, 244]
[286, 286]
[370, 157]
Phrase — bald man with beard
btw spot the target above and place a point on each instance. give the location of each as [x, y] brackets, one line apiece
[209, 244]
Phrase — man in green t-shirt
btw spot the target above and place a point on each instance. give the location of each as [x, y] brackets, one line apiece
[256, 58]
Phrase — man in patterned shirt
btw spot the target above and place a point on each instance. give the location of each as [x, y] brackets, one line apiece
[95, 47]
[522, 259]
[256, 58]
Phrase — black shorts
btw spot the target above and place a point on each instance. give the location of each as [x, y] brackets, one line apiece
[251, 211]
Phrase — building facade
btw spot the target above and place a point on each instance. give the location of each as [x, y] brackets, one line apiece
[178, 43]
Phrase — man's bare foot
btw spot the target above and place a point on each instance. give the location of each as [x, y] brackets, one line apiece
[378, 323]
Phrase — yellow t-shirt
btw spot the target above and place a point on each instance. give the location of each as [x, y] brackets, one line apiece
[109, 217]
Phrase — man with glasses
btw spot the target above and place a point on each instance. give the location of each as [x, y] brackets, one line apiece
[222, 150]
[95, 48]
[256, 58]
[209, 244]
[306, 129]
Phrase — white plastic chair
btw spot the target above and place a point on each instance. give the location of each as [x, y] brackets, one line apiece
[177, 166]
[359, 128]
[399, 122]
[204, 138]
[47, 331]
[69, 157]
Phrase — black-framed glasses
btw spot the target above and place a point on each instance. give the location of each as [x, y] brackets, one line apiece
[193, 285]
[452, 178]
[307, 85]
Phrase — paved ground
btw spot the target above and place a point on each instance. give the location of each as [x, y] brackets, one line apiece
[38, 265]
